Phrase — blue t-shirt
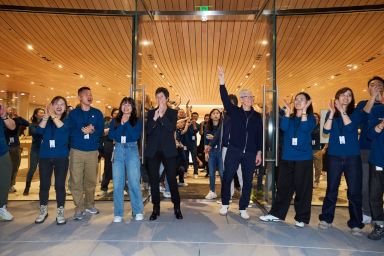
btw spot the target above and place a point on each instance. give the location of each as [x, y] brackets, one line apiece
[36, 138]
[132, 134]
[59, 135]
[316, 138]
[80, 119]
[377, 153]
[3, 143]
[350, 133]
[212, 132]
[12, 136]
[301, 130]
[190, 138]
[365, 143]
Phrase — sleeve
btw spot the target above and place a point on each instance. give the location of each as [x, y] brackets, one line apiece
[216, 139]
[151, 124]
[325, 131]
[76, 127]
[197, 128]
[372, 122]
[284, 123]
[99, 129]
[364, 115]
[23, 122]
[134, 132]
[259, 139]
[67, 125]
[282, 111]
[40, 130]
[226, 101]
[32, 129]
[356, 119]
[113, 132]
[169, 123]
[309, 125]
[206, 141]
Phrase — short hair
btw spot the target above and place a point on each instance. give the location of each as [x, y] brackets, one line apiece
[107, 119]
[316, 114]
[206, 115]
[195, 113]
[243, 92]
[162, 90]
[376, 78]
[82, 89]
[113, 110]
[232, 97]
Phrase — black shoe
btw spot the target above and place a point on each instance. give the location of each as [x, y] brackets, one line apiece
[154, 215]
[376, 233]
[26, 191]
[178, 214]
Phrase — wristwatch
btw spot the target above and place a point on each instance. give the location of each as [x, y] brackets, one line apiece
[344, 113]
[5, 118]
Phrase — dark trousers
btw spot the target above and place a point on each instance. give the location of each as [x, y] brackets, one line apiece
[15, 154]
[47, 166]
[170, 171]
[5, 178]
[376, 190]
[107, 174]
[194, 160]
[233, 159]
[294, 176]
[351, 166]
[236, 181]
[180, 172]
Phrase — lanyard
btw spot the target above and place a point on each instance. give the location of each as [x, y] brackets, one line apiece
[340, 128]
[294, 125]
[124, 130]
[53, 128]
[82, 112]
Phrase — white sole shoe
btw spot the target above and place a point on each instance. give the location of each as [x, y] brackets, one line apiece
[299, 224]
[117, 219]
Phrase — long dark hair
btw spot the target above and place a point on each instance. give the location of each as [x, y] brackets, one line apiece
[133, 118]
[209, 126]
[351, 105]
[309, 109]
[34, 118]
[57, 98]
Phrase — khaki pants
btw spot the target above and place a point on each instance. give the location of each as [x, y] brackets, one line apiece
[317, 161]
[83, 165]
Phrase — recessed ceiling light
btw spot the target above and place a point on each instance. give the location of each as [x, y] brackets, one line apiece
[30, 47]
[350, 69]
[109, 88]
[315, 84]
[51, 88]
[332, 77]
[155, 66]
[365, 90]
[68, 97]
[16, 97]
[32, 83]
[162, 76]
[254, 66]
[109, 107]
[173, 89]
[7, 75]
[97, 101]
[128, 76]
[2, 90]
[22, 93]
[355, 67]
[33, 101]
[60, 66]
[241, 83]
[97, 83]
[145, 43]
[302, 90]
[119, 93]
[47, 99]
[168, 83]
[268, 54]
[246, 76]
[33, 96]
[264, 42]
[81, 75]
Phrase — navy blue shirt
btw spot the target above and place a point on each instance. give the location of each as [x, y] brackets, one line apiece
[3, 143]
[351, 146]
[80, 119]
[59, 135]
[301, 130]
[377, 153]
[212, 132]
[103, 139]
[12, 136]
[132, 134]
[316, 138]
[190, 138]
[36, 138]
[365, 143]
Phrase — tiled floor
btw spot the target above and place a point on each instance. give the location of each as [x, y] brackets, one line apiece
[202, 232]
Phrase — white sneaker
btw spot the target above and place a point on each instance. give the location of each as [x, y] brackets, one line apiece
[125, 193]
[5, 214]
[356, 231]
[139, 216]
[324, 225]
[117, 219]
[195, 176]
[167, 194]
[211, 195]
[183, 184]
[185, 174]
[43, 214]
[162, 190]
[12, 189]
[224, 210]
[367, 219]
[69, 192]
[269, 217]
[244, 215]
[60, 220]
[221, 202]
[102, 193]
[299, 224]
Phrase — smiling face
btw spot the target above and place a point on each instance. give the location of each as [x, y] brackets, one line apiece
[247, 99]
[161, 99]
[300, 102]
[114, 114]
[181, 113]
[85, 97]
[40, 114]
[195, 117]
[180, 125]
[345, 98]
[126, 108]
[59, 106]
[373, 84]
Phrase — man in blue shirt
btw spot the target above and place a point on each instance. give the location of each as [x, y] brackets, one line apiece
[375, 89]
[190, 143]
[87, 127]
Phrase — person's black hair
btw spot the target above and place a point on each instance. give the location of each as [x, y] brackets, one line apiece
[133, 118]
[57, 98]
[34, 118]
[351, 105]
[107, 119]
[233, 97]
[164, 91]
[316, 114]
[209, 126]
[376, 78]
[309, 109]
[113, 110]
[82, 89]
[206, 115]
[194, 113]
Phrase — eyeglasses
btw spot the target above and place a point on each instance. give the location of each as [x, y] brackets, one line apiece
[248, 97]
[300, 99]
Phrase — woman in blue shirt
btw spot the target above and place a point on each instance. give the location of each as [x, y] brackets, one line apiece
[125, 129]
[342, 123]
[54, 152]
[38, 114]
[214, 157]
[296, 165]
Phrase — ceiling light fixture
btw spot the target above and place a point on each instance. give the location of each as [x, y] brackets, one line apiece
[254, 66]
[81, 75]
[30, 47]
[155, 66]
[32, 83]
[355, 67]
[203, 18]
[22, 93]
[332, 77]
[7, 75]
[97, 101]
[60, 66]
[264, 42]
[97, 83]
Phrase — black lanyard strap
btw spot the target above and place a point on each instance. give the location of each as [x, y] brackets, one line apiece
[86, 123]
[340, 128]
[297, 127]
[53, 128]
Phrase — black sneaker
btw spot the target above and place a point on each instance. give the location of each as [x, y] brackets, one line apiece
[376, 233]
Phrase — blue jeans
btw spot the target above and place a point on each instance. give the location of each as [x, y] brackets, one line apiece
[33, 162]
[351, 166]
[215, 160]
[126, 161]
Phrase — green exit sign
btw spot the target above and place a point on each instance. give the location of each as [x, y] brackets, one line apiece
[203, 8]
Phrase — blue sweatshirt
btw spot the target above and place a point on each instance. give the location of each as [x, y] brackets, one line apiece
[351, 146]
[224, 139]
[189, 135]
[3, 142]
[213, 132]
[377, 153]
[13, 135]
[132, 134]
[80, 119]
[316, 138]
[301, 130]
[60, 136]
[36, 138]
[245, 135]
[365, 143]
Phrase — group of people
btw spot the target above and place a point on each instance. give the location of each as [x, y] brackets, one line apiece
[232, 145]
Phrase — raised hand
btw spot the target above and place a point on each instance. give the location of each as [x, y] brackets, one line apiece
[307, 105]
[292, 98]
[186, 103]
[221, 75]
[339, 106]
[331, 107]
[47, 111]
[287, 106]
[51, 110]
[157, 114]
[3, 111]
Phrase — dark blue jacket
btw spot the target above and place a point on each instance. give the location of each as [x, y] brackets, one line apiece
[36, 138]
[3, 143]
[14, 133]
[377, 153]
[189, 135]
[365, 143]
[246, 132]
[316, 138]
[132, 133]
